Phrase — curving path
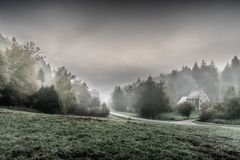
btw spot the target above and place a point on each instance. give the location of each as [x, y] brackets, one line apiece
[184, 122]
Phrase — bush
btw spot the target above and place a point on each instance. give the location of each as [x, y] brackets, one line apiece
[233, 108]
[104, 110]
[97, 111]
[185, 109]
[101, 111]
[77, 109]
[46, 100]
[11, 96]
[207, 115]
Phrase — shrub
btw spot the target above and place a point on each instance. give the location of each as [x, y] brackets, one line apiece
[46, 100]
[12, 97]
[104, 110]
[79, 110]
[101, 111]
[233, 108]
[207, 115]
[185, 109]
[97, 111]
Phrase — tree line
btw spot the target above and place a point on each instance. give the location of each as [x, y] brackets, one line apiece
[147, 98]
[205, 76]
[26, 79]
[165, 90]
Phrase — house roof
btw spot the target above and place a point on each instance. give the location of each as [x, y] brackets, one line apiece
[196, 94]
[182, 100]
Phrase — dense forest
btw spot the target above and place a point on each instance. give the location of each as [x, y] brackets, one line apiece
[204, 76]
[27, 80]
[144, 97]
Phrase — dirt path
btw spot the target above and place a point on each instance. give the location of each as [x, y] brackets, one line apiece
[184, 122]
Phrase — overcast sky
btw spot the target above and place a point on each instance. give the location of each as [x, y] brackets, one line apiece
[108, 43]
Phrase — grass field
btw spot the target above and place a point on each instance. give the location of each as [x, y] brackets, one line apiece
[224, 121]
[172, 116]
[40, 136]
[130, 114]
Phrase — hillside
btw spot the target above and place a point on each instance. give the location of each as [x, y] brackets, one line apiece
[41, 136]
[28, 79]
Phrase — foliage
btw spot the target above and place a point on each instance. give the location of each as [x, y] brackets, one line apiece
[97, 111]
[77, 109]
[11, 96]
[230, 109]
[102, 111]
[207, 115]
[153, 100]
[85, 104]
[185, 109]
[23, 67]
[41, 76]
[132, 95]
[46, 100]
[4, 74]
[230, 74]
[17, 76]
[63, 88]
[81, 93]
[146, 98]
[180, 83]
[233, 108]
[95, 102]
[118, 99]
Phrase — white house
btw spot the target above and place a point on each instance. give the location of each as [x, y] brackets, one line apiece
[197, 98]
[182, 100]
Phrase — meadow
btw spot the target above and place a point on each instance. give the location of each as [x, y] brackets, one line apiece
[30, 136]
[171, 116]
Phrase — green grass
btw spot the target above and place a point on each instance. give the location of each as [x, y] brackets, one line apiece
[225, 121]
[130, 114]
[40, 136]
[174, 116]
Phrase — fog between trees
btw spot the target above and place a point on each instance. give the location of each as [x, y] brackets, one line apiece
[218, 85]
[26, 79]
[26, 76]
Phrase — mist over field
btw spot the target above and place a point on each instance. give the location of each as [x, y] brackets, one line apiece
[108, 43]
[114, 80]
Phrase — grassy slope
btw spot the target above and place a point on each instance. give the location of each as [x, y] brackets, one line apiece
[172, 116]
[224, 121]
[39, 136]
[177, 117]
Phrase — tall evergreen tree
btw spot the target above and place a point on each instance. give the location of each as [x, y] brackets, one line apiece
[227, 74]
[4, 73]
[63, 88]
[153, 100]
[196, 72]
[230, 93]
[118, 99]
[235, 63]
[41, 75]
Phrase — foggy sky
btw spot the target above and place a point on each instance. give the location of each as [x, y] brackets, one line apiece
[111, 42]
